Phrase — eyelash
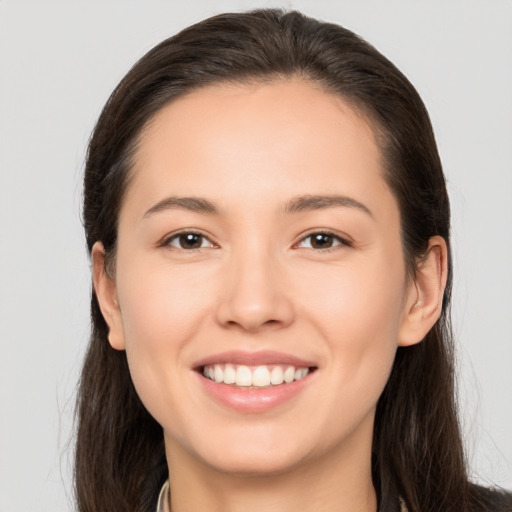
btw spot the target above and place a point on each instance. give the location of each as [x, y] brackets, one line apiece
[336, 237]
[176, 236]
[167, 242]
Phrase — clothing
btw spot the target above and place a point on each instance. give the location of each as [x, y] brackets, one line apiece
[163, 500]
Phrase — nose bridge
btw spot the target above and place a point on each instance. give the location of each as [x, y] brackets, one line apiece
[254, 296]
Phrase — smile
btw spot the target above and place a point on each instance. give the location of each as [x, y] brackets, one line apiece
[251, 377]
[254, 382]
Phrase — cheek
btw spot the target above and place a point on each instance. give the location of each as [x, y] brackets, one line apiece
[160, 304]
[358, 313]
[162, 310]
[356, 299]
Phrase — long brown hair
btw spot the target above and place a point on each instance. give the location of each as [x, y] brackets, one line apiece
[417, 448]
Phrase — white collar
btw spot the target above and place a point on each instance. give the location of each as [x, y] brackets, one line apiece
[163, 499]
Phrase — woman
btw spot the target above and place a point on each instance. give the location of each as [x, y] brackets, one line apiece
[268, 224]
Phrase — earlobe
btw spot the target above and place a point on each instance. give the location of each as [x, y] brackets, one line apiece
[106, 293]
[425, 296]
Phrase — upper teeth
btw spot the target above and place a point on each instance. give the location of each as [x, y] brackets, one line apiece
[259, 376]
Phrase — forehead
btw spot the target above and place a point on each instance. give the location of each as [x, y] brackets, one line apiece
[289, 135]
[286, 105]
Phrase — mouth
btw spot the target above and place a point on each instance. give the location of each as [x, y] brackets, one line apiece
[254, 382]
[254, 377]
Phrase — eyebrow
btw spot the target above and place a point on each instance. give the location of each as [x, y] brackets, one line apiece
[296, 205]
[316, 202]
[193, 204]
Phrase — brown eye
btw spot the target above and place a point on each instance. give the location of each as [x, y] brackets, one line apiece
[189, 241]
[321, 241]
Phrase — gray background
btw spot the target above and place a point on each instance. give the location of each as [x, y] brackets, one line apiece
[58, 63]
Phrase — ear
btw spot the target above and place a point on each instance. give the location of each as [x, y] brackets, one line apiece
[106, 293]
[425, 294]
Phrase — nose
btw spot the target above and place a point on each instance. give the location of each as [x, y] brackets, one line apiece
[254, 295]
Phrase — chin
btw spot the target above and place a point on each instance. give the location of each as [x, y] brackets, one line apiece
[252, 452]
[258, 464]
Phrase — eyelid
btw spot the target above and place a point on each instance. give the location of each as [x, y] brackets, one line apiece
[343, 239]
[167, 239]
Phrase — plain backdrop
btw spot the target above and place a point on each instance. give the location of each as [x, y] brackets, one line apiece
[58, 63]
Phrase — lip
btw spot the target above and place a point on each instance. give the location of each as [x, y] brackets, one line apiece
[265, 357]
[253, 400]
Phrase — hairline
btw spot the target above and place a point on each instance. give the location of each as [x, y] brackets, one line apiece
[359, 108]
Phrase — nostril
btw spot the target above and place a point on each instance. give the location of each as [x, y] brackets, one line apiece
[254, 304]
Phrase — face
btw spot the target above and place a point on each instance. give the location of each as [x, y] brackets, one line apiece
[260, 279]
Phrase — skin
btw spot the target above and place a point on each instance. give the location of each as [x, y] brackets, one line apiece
[257, 283]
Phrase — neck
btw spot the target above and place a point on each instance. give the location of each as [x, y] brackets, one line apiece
[339, 482]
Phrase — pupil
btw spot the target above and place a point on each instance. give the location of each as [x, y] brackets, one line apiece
[322, 240]
[190, 241]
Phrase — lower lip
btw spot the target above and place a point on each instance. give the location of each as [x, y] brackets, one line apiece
[253, 400]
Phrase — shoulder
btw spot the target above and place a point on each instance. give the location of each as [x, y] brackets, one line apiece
[491, 499]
